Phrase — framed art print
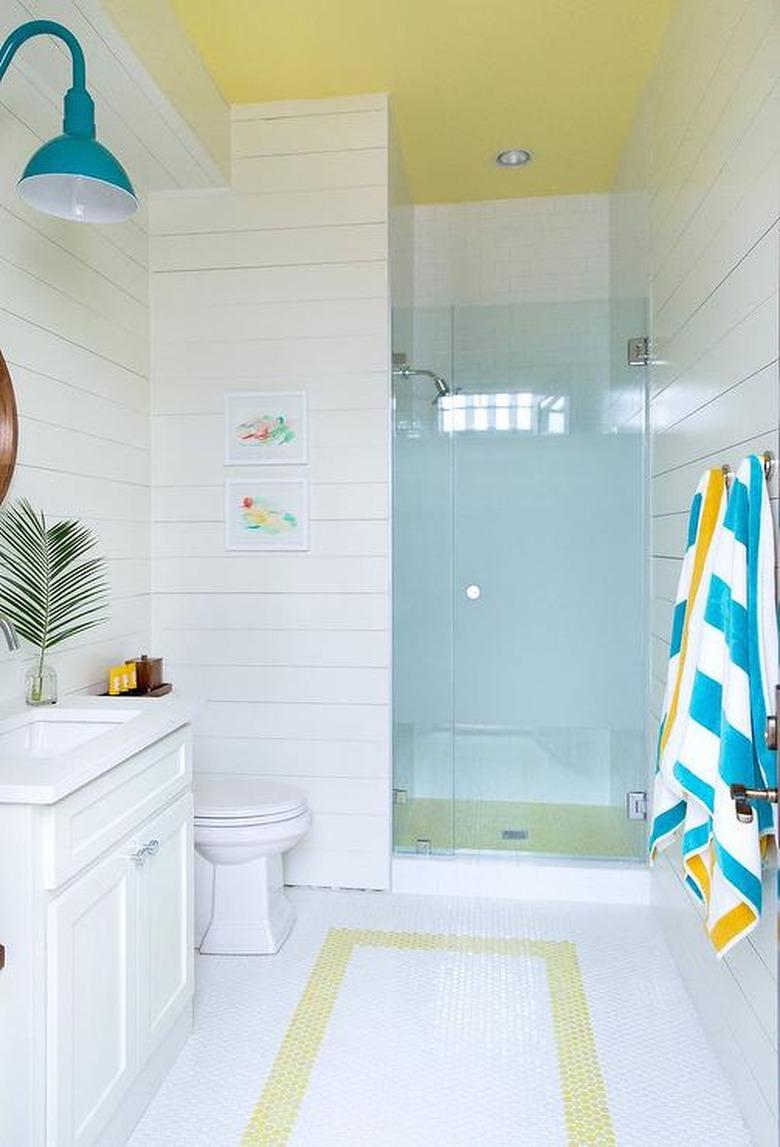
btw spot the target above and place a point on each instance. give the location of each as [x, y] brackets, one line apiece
[264, 515]
[265, 428]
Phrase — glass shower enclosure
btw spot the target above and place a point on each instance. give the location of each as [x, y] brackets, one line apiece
[518, 524]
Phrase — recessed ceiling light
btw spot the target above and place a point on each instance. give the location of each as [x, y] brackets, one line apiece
[514, 157]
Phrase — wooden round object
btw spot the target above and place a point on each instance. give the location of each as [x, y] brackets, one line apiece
[9, 429]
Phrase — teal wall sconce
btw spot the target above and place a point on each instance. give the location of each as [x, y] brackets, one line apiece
[72, 176]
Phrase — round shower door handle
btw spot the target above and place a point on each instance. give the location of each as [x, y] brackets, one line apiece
[473, 592]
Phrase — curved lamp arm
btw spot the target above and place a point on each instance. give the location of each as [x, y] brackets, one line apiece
[79, 116]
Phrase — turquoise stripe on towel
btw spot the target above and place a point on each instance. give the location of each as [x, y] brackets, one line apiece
[703, 792]
[723, 613]
[706, 702]
[666, 823]
[693, 520]
[697, 838]
[767, 758]
[678, 624]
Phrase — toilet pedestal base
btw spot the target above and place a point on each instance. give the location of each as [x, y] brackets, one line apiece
[250, 915]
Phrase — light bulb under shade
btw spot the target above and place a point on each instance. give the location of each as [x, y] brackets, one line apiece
[78, 179]
[514, 157]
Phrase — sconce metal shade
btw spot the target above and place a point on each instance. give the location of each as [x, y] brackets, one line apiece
[77, 178]
[72, 176]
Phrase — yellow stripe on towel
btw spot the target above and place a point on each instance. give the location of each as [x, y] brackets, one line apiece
[698, 871]
[733, 924]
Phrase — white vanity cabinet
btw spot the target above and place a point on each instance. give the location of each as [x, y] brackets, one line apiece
[96, 920]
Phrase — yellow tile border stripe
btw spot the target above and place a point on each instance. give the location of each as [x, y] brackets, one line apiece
[588, 1122]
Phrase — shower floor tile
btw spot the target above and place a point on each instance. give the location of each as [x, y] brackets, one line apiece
[446, 1022]
[552, 829]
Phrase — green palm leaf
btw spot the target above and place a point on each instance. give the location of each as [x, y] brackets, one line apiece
[51, 586]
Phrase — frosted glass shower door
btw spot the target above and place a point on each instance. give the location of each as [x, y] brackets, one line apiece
[422, 625]
[547, 669]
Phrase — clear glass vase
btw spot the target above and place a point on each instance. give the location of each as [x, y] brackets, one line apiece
[40, 685]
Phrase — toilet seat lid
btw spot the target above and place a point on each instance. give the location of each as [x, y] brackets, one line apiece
[221, 796]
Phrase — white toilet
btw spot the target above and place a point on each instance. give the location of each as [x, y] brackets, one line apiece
[243, 825]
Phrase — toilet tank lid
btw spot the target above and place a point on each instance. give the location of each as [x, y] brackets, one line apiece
[228, 795]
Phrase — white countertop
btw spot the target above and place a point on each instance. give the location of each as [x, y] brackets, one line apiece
[29, 779]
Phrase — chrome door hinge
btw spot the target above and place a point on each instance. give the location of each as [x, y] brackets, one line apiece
[636, 806]
[639, 351]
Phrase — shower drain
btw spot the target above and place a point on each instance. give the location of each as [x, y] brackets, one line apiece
[515, 834]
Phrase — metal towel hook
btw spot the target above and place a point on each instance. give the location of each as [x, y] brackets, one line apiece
[769, 461]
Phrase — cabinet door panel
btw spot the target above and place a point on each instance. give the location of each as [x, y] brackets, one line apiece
[165, 924]
[91, 986]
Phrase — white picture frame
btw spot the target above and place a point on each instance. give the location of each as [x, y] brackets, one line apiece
[266, 428]
[266, 515]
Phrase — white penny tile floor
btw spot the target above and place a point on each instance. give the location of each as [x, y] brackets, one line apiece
[438, 1022]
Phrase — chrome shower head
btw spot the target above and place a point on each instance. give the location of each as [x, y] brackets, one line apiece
[441, 384]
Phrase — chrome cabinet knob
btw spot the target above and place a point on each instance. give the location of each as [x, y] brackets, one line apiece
[473, 592]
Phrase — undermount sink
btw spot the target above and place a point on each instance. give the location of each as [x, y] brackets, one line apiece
[51, 732]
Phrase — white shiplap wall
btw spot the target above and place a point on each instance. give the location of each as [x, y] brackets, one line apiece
[282, 283]
[709, 136]
[74, 320]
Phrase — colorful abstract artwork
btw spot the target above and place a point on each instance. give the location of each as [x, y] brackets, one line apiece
[265, 428]
[266, 515]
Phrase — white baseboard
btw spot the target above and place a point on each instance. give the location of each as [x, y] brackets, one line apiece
[735, 999]
[512, 878]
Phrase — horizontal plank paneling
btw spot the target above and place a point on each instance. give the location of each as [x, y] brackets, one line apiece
[328, 539]
[673, 491]
[258, 611]
[330, 760]
[74, 313]
[296, 722]
[292, 246]
[750, 283]
[252, 321]
[279, 109]
[325, 648]
[292, 135]
[282, 284]
[334, 389]
[739, 415]
[247, 285]
[245, 360]
[273, 573]
[330, 501]
[266, 211]
[316, 171]
[713, 180]
[293, 685]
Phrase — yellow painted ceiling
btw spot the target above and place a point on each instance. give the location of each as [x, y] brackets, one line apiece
[560, 77]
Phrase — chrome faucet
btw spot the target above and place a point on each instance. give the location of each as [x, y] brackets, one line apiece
[9, 633]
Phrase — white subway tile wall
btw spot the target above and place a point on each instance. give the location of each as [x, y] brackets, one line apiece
[546, 249]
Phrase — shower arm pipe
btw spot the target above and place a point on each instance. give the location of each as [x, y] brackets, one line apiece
[79, 118]
[408, 372]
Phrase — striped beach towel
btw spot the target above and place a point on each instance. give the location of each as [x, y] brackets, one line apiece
[723, 670]
[672, 789]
